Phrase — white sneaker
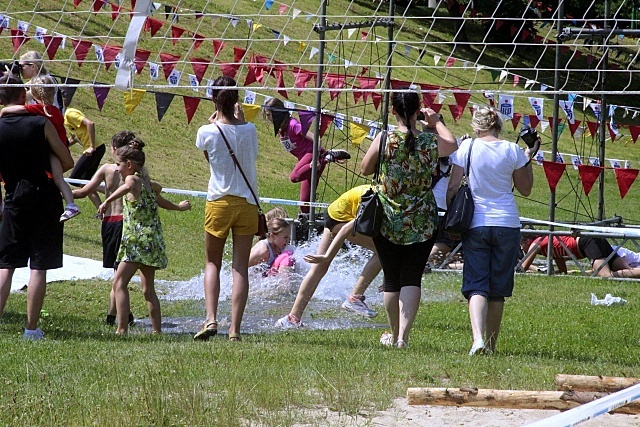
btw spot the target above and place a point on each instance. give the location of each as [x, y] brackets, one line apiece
[337, 155]
[358, 306]
[33, 335]
[477, 348]
[286, 322]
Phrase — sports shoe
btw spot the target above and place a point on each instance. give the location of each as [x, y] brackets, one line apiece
[33, 335]
[288, 322]
[477, 348]
[111, 320]
[356, 304]
[208, 330]
[386, 339]
[336, 155]
[69, 212]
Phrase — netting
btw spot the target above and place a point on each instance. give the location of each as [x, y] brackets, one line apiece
[520, 56]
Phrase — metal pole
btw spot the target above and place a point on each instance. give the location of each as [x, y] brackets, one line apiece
[316, 137]
[603, 112]
[554, 133]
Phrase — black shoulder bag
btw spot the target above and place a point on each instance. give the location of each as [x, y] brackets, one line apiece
[370, 211]
[460, 211]
[262, 220]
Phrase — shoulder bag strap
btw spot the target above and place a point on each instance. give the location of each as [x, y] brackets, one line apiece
[467, 171]
[235, 160]
[383, 141]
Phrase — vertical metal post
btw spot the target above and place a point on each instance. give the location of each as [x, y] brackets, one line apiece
[316, 137]
[603, 111]
[554, 133]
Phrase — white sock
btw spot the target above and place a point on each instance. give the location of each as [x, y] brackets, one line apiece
[72, 205]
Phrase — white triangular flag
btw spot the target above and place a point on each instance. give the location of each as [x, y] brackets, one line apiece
[567, 107]
[529, 83]
[99, 53]
[286, 39]
[338, 121]
[594, 161]
[234, 22]
[174, 77]
[296, 12]
[40, 33]
[289, 105]
[23, 26]
[576, 161]
[538, 106]
[544, 124]
[193, 81]
[436, 59]
[347, 63]
[503, 75]
[209, 91]
[543, 87]
[249, 97]
[505, 105]
[314, 51]
[615, 163]
[350, 32]
[153, 70]
[586, 102]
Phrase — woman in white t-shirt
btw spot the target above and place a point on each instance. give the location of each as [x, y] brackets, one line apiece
[230, 204]
[491, 245]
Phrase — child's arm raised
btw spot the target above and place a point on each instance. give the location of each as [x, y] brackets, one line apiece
[94, 184]
[184, 205]
[130, 183]
[334, 247]
[14, 109]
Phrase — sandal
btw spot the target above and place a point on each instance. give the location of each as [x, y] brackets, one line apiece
[208, 330]
[235, 338]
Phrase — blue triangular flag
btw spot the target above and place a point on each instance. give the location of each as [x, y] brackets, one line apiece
[268, 4]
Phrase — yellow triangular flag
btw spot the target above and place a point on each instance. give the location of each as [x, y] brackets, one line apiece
[357, 132]
[256, 26]
[250, 111]
[301, 46]
[132, 98]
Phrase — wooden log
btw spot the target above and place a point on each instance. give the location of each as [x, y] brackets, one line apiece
[515, 399]
[594, 383]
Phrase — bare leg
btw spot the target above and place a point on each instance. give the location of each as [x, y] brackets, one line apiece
[478, 307]
[494, 319]
[392, 306]
[214, 248]
[125, 272]
[409, 302]
[147, 281]
[56, 172]
[95, 199]
[313, 277]
[6, 275]
[240, 272]
[112, 297]
[36, 291]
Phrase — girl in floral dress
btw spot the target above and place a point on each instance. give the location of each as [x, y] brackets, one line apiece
[142, 247]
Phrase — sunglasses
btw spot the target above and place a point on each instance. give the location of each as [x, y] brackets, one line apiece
[24, 65]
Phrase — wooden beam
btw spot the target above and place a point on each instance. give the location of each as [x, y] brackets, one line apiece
[594, 383]
[516, 399]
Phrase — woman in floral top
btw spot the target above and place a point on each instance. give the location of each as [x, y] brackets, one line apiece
[408, 228]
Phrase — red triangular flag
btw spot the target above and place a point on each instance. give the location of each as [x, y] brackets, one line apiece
[514, 29]
[428, 98]
[357, 94]
[552, 124]
[140, 59]
[325, 121]
[76, 3]
[533, 120]
[625, 178]
[238, 54]
[364, 35]
[634, 131]
[199, 15]
[18, 39]
[197, 41]
[109, 54]
[593, 128]
[334, 82]
[367, 83]
[376, 98]
[450, 61]
[302, 78]
[115, 10]
[553, 171]
[573, 126]
[52, 43]
[612, 133]
[280, 84]
[101, 95]
[81, 48]
[153, 24]
[229, 70]
[199, 66]
[588, 175]
[525, 34]
[436, 107]
[499, 23]
[176, 33]
[97, 5]
[462, 98]
[456, 112]
[168, 62]
[251, 75]
[190, 106]
[516, 120]
[217, 46]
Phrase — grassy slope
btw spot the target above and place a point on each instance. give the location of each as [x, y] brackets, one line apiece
[83, 374]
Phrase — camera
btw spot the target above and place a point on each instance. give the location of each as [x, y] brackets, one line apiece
[11, 66]
[529, 136]
[420, 116]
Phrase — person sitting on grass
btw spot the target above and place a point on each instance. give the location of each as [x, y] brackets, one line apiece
[596, 249]
[338, 226]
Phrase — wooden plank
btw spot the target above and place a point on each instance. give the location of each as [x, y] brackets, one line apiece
[594, 383]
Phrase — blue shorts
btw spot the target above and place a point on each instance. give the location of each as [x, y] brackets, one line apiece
[490, 256]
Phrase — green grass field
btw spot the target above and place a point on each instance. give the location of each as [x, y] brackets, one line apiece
[85, 375]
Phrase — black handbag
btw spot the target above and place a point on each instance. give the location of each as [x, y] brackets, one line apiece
[460, 211]
[368, 220]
